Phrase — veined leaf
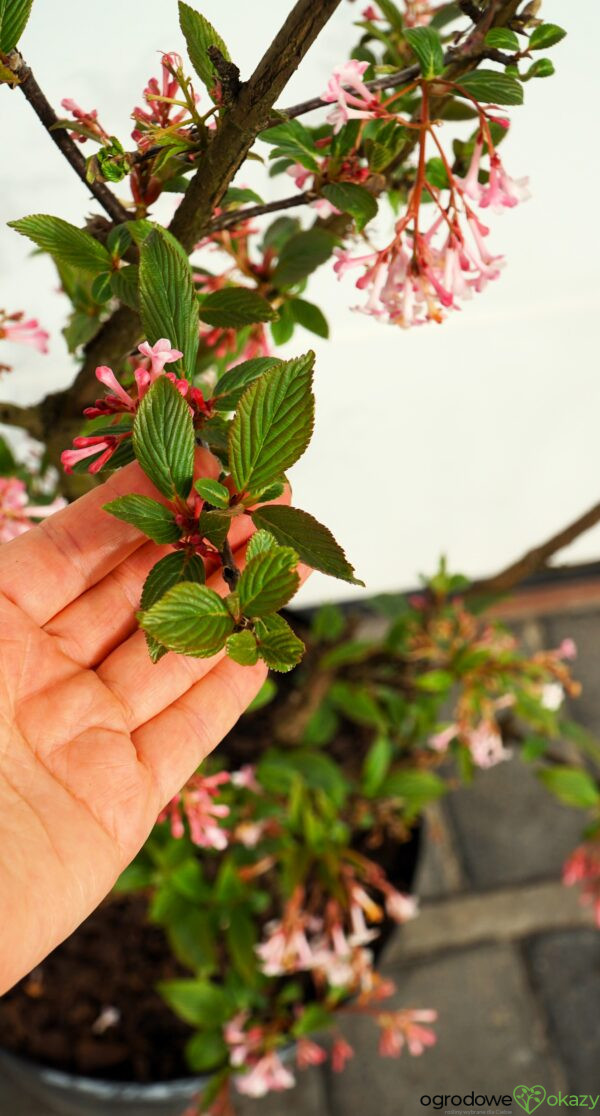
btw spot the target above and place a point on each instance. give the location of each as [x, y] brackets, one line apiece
[260, 541]
[268, 581]
[168, 301]
[232, 385]
[309, 316]
[302, 254]
[215, 493]
[14, 15]
[242, 648]
[163, 439]
[546, 35]
[171, 570]
[273, 424]
[502, 38]
[492, 87]
[352, 199]
[235, 307]
[156, 521]
[277, 645]
[199, 35]
[425, 42]
[64, 241]
[191, 619]
[312, 541]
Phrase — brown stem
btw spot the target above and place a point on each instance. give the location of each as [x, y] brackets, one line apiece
[536, 558]
[27, 418]
[231, 571]
[46, 114]
[234, 217]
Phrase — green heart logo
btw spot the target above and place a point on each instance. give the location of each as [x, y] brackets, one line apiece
[529, 1096]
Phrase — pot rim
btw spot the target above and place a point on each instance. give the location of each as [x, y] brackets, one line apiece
[106, 1090]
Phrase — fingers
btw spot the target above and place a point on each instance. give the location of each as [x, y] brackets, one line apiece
[92, 626]
[146, 689]
[172, 744]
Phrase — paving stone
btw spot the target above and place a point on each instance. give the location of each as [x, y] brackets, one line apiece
[585, 630]
[566, 973]
[490, 1038]
[439, 871]
[503, 915]
[510, 829]
[14, 1103]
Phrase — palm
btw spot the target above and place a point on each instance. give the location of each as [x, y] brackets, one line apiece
[94, 739]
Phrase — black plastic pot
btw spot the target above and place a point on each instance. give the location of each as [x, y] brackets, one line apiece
[71, 1095]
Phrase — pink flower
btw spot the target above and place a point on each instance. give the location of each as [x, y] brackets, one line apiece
[567, 649]
[309, 1053]
[371, 13]
[16, 512]
[583, 866]
[341, 1052]
[417, 13]
[400, 1028]
[161, 112]
[485, 743]
[502, 191]
[246, 777]
[159, 354]
[286, 950]
[268, 1075]
[440, 741]
[88, 120]
[300, 174]
[101, 448]
[400, 907]
[353, 101]
[196, 802]
[29, 332]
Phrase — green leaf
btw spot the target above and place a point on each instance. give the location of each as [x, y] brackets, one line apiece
[302, 254]
[427, 45]
[199, 35]
[314, 1018]
[171, 570]
[265, 695]
[268, 581]
[235, 307]
[65, 242]
[541, 68]
[241, 647]
[492, 87]
[546, 35]
[235, 195]
[215, 493]
[313, 542]
[415, 788]
[197, 1001]
[273, 424]
[124, 284]
[14, 15]
[163, 439]
[260, 541]
[352, 199]
[8, 464]
[156, 521]
[292, 140]
[277, 645]
[572, 785]
[241, 942]
[232, 384]
[376, 765]
[282, 330]
[191, 619]
[168, 301]
[435, 681]
[214, 526]
[309, 316]
[502, 38]
[206, 1051]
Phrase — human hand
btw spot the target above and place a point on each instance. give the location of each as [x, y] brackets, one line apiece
[94, 738]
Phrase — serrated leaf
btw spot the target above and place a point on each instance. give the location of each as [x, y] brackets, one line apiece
[65, 242]
[302, 254]
[293, 141]
[199, 35]
[191, 619]
[163, 439]
[352, 199]
[260, 541]
[14, 15]
[124, 283]
[492, 87]
[214, 526]
[232, 384]
[171, 570]
[235, 307]
[312, 541]
[309, 316]
[273, 424]
[279, 648]
[167, 295]
[546, 35]
[215, 493]
[572, 785]
[242, 648]
[427, 45]
[502, 38]
[268, 581]
[156, 521]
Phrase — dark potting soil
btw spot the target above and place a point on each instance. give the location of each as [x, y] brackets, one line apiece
[110, 964]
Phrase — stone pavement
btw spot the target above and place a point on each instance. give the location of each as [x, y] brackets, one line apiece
[507, 956]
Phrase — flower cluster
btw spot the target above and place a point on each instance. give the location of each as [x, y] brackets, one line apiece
[16, 512]
[196, 802]
[583, 867]
[23, 331]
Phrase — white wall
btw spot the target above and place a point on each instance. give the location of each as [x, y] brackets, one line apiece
[476, 438]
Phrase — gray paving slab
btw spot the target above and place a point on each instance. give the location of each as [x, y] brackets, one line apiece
[491, 1038]
[566, 975]
[509, 829]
